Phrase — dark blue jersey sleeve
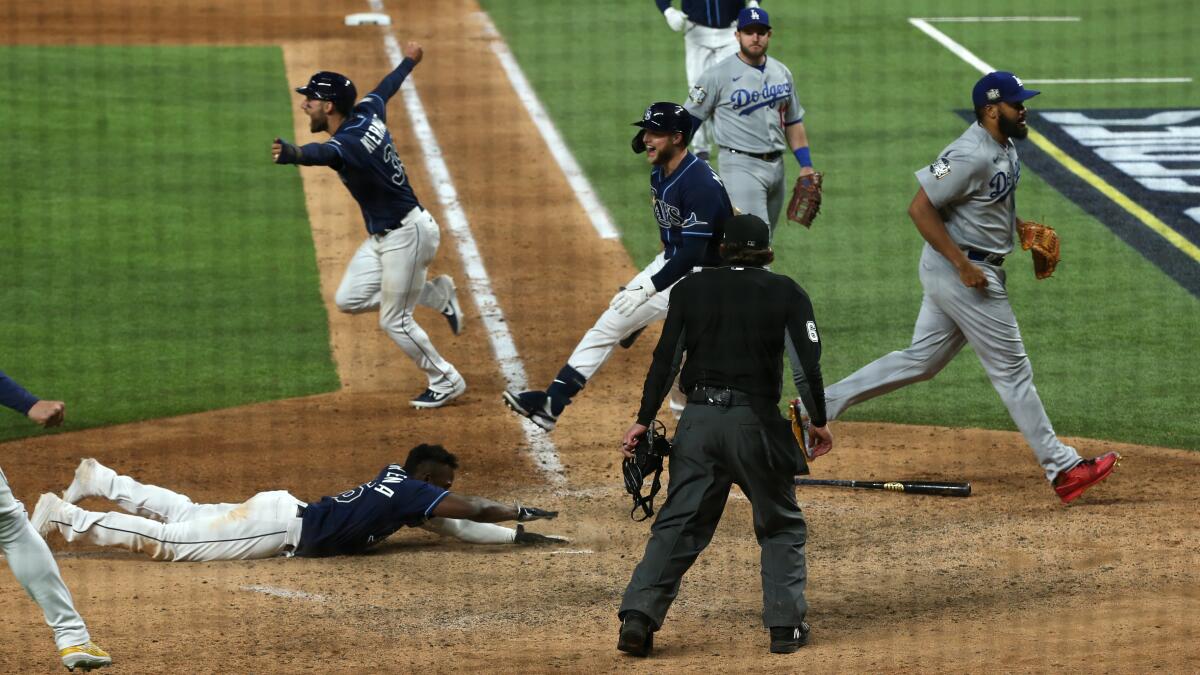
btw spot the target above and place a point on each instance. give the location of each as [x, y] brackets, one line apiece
[376, 101]
[13, 395]
[322, 154]
[705, 205]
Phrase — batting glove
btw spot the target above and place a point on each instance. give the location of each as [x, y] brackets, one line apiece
[528, 513]
[286, 153]
[629, 299]
[533, 538]
[676, 19]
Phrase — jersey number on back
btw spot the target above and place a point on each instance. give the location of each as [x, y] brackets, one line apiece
[390, 156]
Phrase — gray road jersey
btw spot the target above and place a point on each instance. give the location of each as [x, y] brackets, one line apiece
[748, 107]
[973, 185]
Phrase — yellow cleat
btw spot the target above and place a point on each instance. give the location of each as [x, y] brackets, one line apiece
[86, 656]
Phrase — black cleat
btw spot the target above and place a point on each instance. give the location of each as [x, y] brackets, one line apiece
[627, 341]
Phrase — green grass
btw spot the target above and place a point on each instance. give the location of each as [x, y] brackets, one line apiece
[1112, 339]
[155, 261]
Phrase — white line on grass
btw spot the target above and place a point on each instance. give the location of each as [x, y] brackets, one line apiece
[544, 454]
[1000, 19]
[558, 148]
[947, 42]
[1116, 80]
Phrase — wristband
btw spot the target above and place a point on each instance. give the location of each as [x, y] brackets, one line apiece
[803, 156]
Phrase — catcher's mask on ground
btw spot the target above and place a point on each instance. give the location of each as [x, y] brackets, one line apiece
[665, 117]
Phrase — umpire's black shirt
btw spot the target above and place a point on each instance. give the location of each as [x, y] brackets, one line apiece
[731, 322]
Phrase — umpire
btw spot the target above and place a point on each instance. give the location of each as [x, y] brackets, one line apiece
[733, 323]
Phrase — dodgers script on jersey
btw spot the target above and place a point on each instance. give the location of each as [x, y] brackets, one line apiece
[365, 158]
[689, 205]
[366, 515]
[973, 184]
[754, 98]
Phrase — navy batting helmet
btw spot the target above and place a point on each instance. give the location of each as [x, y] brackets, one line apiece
[665, 117]
[329, 86]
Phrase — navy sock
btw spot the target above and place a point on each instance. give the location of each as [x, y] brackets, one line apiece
[566, 385]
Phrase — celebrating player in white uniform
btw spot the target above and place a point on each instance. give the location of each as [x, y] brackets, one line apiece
[27, 554]
[387, 272]
[168, 526]
[756, 116]
[707, 27]
[966, 211]
[690, 204]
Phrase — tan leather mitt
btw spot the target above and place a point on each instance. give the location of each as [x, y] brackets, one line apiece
[1043, 241]
[806, 199]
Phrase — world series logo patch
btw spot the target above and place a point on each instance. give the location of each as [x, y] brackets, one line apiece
[697, 95]
[940, 169]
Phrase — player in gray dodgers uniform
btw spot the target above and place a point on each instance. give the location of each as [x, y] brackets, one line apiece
[756, 116]
[966, 211]
[387, 273]
[707, 27]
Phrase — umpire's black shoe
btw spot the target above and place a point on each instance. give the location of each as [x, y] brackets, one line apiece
[637, 634]
[788, 639]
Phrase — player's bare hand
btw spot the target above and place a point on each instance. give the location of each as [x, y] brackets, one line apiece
[412, 50]
[535, 539]
[820, 441]
[630, 441]
[972, 276]
[807, 171]
[48, 413]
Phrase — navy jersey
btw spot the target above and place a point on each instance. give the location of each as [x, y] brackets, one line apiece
[365, 158]
[711, 13]
[366, 515]
[14, 395]
[689, 205]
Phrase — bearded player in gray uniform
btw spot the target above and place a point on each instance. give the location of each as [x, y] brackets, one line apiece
[707, 27]
[966, 211]
[756, 116]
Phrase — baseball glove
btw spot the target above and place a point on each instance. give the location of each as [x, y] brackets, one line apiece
[806, 199]
[800, 427]
[1043, 240]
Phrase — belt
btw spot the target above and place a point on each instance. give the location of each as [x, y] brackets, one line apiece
[764, 156]
[984, 257]
[720, 396]
[408, 218]
[300, 509]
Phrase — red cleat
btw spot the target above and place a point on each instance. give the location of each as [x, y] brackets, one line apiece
[1071, 483]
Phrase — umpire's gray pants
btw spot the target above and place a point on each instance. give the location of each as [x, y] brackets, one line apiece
[714, 448]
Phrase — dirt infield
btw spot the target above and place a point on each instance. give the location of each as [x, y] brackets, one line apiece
[1005, 580]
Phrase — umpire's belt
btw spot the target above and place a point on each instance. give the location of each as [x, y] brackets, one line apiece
[764, 156]
[719, 396]
[412, 215]
[975, 255]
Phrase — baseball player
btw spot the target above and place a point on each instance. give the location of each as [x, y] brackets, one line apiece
[169, 526]
[756, 116]
[966, 211]
[707, 27]
[29, 557]
[689, 204]
[387, 272]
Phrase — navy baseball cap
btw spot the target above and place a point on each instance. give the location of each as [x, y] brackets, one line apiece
[747, 230]
[1000, 86]
[663, 116]
[329, 86]
[753, 16]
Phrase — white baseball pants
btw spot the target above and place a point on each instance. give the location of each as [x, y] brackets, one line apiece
[33, 564]
[169, 526]
[704, 47]
[387, 273]
[951, 316]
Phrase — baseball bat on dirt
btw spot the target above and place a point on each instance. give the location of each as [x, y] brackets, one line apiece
[918, 487]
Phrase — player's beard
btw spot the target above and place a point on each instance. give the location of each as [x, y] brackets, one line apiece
[762, 51]
[318, 124]
[1012, 128]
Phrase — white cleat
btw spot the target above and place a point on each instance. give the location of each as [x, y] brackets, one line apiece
[45, 513]
[81, 487]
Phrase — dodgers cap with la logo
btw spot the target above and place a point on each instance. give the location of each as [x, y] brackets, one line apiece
[1000, 86]
[753, 16]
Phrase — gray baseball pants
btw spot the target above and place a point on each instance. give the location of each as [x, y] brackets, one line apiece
[714, 448]
[754, 186]
[951, 316]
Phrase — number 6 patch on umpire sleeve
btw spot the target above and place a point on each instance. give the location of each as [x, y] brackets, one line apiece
[812, 331]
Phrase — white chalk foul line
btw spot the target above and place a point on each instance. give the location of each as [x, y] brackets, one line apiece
[578, 181]
[288, 593]
[542, 449]
[1116, 80]
[1001, 19]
